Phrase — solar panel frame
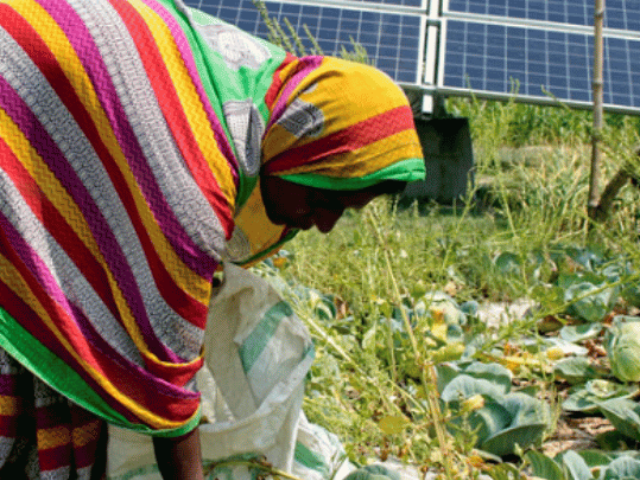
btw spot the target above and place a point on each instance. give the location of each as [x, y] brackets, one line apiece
[397, 5]
[395, 41]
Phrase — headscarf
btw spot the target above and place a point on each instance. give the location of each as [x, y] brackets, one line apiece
[334, 124]
[132, 137]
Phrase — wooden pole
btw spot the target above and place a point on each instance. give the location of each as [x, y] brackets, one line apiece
[594, 180]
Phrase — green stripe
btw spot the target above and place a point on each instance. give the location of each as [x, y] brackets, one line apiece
[310, 459]
[254, 344]
[222, 84]
[53, 371]
[409, 170]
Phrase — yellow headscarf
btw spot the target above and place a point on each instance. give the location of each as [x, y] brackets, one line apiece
[334, 124]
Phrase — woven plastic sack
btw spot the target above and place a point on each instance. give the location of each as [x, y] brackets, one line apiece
[257, 354]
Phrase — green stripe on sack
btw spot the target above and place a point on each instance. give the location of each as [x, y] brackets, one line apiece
[310, 459]
[255, 343]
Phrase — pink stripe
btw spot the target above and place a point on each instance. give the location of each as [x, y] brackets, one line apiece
[84, 46]
[108, 244]
[187, 56]
[307, 65]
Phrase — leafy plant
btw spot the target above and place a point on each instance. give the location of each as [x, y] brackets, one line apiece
[397, 303]
[505, 420]
[587, 397]
[373, 472]
[623, 347]
[624, 414]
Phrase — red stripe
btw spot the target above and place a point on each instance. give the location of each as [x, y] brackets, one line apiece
[33, 324]
[89, 424]
[54, 458]
[58, 227]
[352, 138]
[30, 321]
[126, 380]
[85, 455]
[9, 383]
[272, 94]
[173, 112]
[9, 426]
[185, 305]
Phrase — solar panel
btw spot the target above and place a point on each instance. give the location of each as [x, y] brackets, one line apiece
[485, 46]
[489, 57]
[393, 41]
[619, 14]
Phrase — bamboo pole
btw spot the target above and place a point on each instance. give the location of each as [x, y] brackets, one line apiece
[594, 180]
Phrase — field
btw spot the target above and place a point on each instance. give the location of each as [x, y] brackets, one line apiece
[409, 366]
[411, 363]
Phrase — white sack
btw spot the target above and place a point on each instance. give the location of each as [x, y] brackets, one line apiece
[257, 353]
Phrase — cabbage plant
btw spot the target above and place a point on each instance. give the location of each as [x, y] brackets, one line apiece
[623, 348]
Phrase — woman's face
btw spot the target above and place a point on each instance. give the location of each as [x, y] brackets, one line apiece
[302, 207]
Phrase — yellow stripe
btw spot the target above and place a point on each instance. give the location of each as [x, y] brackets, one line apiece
[53, 437]
[18, 285]
[9, 406]
[189, 99]
[58, 43]
[340, 79]
[53, 190]
[81, 436]
[67, 207]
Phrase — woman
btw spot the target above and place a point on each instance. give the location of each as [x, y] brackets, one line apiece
[141, 144]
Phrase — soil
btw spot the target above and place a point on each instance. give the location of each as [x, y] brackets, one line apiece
[576, 434]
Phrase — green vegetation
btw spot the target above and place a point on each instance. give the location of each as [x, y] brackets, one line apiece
[408, 367]
[407, 363]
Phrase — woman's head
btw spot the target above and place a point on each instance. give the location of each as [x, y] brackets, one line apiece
[340, 134]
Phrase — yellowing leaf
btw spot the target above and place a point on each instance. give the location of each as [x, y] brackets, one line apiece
[476, 402]
[516, 362]
[439, 331]
[554, 353]
[279, 262]
[451, 289]
[475, 461]
[393, 424]
[438, 315]
[452, 351]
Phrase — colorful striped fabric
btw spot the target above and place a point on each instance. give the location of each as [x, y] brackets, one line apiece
[117, 194]
[132, 137]
[42, 434]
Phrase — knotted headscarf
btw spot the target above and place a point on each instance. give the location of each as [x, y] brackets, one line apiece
[334, 124]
